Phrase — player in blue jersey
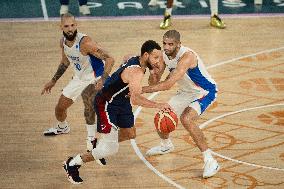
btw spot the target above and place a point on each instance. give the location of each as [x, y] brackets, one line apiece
[197, 90]
[91, 65]
[113, 106]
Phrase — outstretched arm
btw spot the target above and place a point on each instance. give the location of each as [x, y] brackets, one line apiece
[188, 60]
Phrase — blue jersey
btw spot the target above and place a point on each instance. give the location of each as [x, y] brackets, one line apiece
[115, 91]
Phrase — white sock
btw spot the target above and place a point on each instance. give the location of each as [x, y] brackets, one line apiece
[62, 124]
[207, 155]
[213, 7]
[166, 141]
[91, 131]
[168, 11]
[77, 160]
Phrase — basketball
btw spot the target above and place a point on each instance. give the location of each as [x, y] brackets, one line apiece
[166, 122]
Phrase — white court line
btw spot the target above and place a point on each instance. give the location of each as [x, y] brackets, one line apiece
[44, 10]
[137, 111]
[202, 126]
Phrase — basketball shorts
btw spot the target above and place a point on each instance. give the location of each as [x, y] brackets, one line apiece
[76, 86]
[196, 101]
[112, 116]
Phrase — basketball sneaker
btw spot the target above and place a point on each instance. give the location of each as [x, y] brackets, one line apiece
[91, 144]
[56, 131]
[72, 172]
[217, 22]
[84, 9]
[167, 22]
[63, 9]
[211, 167]
[162, 149]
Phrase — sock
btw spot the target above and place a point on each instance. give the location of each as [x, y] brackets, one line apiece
[77, 160]
[166, 141]
[213, 7]
[168, 11]
[62, 124]
[207, 155]
[91, 131]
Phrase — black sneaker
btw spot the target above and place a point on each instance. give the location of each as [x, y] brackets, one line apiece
[101, 161]
[72, 172]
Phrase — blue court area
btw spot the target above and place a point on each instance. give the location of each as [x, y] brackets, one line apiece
[101, 8]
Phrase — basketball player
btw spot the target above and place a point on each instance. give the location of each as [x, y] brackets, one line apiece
[215, 20]
[91, 65]
[113, 107]
[197, 91]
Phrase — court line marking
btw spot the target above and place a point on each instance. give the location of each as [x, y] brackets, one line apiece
[205, 124]
[44, 10]
[138, 110]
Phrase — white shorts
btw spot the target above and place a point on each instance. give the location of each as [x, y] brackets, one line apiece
[183, 100]
[76, 86]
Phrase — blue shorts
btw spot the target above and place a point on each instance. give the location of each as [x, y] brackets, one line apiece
[111, 115]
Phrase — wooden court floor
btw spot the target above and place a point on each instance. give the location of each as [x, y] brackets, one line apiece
[244, 127]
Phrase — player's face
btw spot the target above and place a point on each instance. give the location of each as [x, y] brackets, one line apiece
[69, 28]
[170, 46]
[154, 59]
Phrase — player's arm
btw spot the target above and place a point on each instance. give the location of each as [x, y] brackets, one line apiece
[133, 76]
[90, 47]
[188, 60]
[62, 67]
[156, 73]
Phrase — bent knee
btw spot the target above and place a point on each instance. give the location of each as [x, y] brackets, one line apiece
[188, 116]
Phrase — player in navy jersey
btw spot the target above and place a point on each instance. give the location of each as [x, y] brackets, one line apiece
[197, 90]
[113, 106]
[91, 65]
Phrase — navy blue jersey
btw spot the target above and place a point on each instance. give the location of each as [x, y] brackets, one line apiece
[115, 91]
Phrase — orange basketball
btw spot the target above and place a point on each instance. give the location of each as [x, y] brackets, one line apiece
[166, 122]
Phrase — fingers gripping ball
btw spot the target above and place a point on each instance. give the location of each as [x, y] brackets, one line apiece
[166, 122]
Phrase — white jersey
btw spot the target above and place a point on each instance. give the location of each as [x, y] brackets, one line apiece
[85, 67]
[196, 80]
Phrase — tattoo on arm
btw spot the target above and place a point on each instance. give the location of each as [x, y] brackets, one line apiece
[60, 71]
[102, 54]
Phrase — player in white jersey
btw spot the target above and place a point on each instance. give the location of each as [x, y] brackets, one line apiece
[197, 91]
[91, 65]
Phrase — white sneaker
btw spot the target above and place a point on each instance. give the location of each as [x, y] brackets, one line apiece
[211, 167]
[63, 9]
[84, 9]
[56, 131]
[160, 150]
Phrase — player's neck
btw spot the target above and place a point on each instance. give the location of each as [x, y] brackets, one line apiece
[69, 43]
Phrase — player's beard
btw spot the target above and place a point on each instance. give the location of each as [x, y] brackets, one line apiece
[70, 37]
[171, 53]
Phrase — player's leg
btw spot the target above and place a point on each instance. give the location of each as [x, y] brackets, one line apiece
[167, 15]
[64, 7]
[188, 119]
[125, 122]
[62, 126]
[107, 146]
[215, 20]
[69, 94]
[83, 8]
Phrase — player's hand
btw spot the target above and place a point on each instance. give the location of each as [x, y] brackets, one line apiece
[99, 84]
[47, 87]
[165, 107]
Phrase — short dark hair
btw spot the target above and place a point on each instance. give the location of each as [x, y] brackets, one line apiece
[149, 46]
[173, 34]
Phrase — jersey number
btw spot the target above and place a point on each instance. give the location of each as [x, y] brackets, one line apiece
[78, 66]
